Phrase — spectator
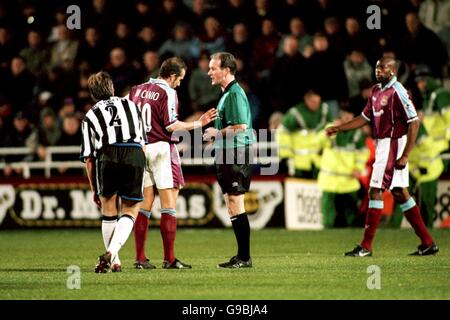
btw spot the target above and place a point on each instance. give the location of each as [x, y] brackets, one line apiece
[64, 48]
[415, 46]
[343, 160]
[299, 133]
[121, 70]
[296, 29]
[202, 93]
[151, 65]
[435, 15]
[91, 54]
[182, 44]
[291, 65]
[36, 55]
[333, 86]
[240, 44]
[22, 134]
[356, 69]
[49, 132]
[213, 38]
[265, 48]
[19, 87]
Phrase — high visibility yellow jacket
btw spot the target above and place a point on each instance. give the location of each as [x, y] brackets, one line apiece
[425, 163]
[298, 135]
[342, 156]
[436, 104]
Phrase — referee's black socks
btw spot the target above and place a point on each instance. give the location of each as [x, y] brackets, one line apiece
[241, 228]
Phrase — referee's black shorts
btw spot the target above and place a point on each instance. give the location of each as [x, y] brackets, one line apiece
[234, 170]
[120, 170]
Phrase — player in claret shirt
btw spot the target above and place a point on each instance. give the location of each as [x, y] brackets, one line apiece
[395, 124]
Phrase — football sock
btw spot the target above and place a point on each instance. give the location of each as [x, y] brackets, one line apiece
[241, 228]
[121, 233]
[168, 228]
[140, 234]
[108, 226]
[412, 214]
[372, 221]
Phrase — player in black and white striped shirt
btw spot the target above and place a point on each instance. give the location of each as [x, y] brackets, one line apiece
[113, 137]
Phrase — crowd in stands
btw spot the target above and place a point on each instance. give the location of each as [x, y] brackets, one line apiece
[285, 48]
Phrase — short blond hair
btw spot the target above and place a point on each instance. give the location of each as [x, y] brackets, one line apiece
[100, 86]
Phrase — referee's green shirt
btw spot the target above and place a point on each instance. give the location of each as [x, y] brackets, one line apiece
[233, 108]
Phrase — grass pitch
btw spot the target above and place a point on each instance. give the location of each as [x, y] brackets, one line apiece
[288, 265]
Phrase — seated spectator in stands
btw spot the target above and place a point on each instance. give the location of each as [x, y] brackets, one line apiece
[354, 36]
[92, 52]
[64, 48]
[240, 44]
[49, 132]
[327, 75]
[19, 85]
[182, 44]
[235, 11]
[70, 136]
[297, 30]
[265, 49]
[68, 108]
[121, 70]
[148, 39]
[420, 45]
[124, 38]
[291, 65]
[356, 69]
[151, 65]
[202, 93]
[213, 38]
[22, 134]
[36, 55]
[435, 16]
[335, 36]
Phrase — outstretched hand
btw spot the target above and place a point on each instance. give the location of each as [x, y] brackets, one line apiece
[208, 116]
[330, 131]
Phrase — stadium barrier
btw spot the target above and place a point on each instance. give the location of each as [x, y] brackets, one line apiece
[273, 201]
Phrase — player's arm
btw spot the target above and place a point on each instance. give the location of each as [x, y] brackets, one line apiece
[206, 118]
[355, 123]
[227, 132]
[411, 137]
[90, 169]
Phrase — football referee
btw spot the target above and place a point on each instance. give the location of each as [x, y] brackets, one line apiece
[113, 135]
[232, 135]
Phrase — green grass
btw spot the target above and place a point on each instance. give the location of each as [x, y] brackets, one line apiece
[287, 265]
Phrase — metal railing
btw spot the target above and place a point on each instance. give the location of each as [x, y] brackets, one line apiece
[267, 153]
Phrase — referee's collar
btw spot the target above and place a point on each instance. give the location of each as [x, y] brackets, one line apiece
[229, 86]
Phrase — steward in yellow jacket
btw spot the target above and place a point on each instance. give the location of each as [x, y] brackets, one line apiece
[425, 168]
[343, 160]
[298, 136]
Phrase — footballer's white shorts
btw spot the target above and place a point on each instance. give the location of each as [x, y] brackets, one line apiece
[163, 166]
[384, 175]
